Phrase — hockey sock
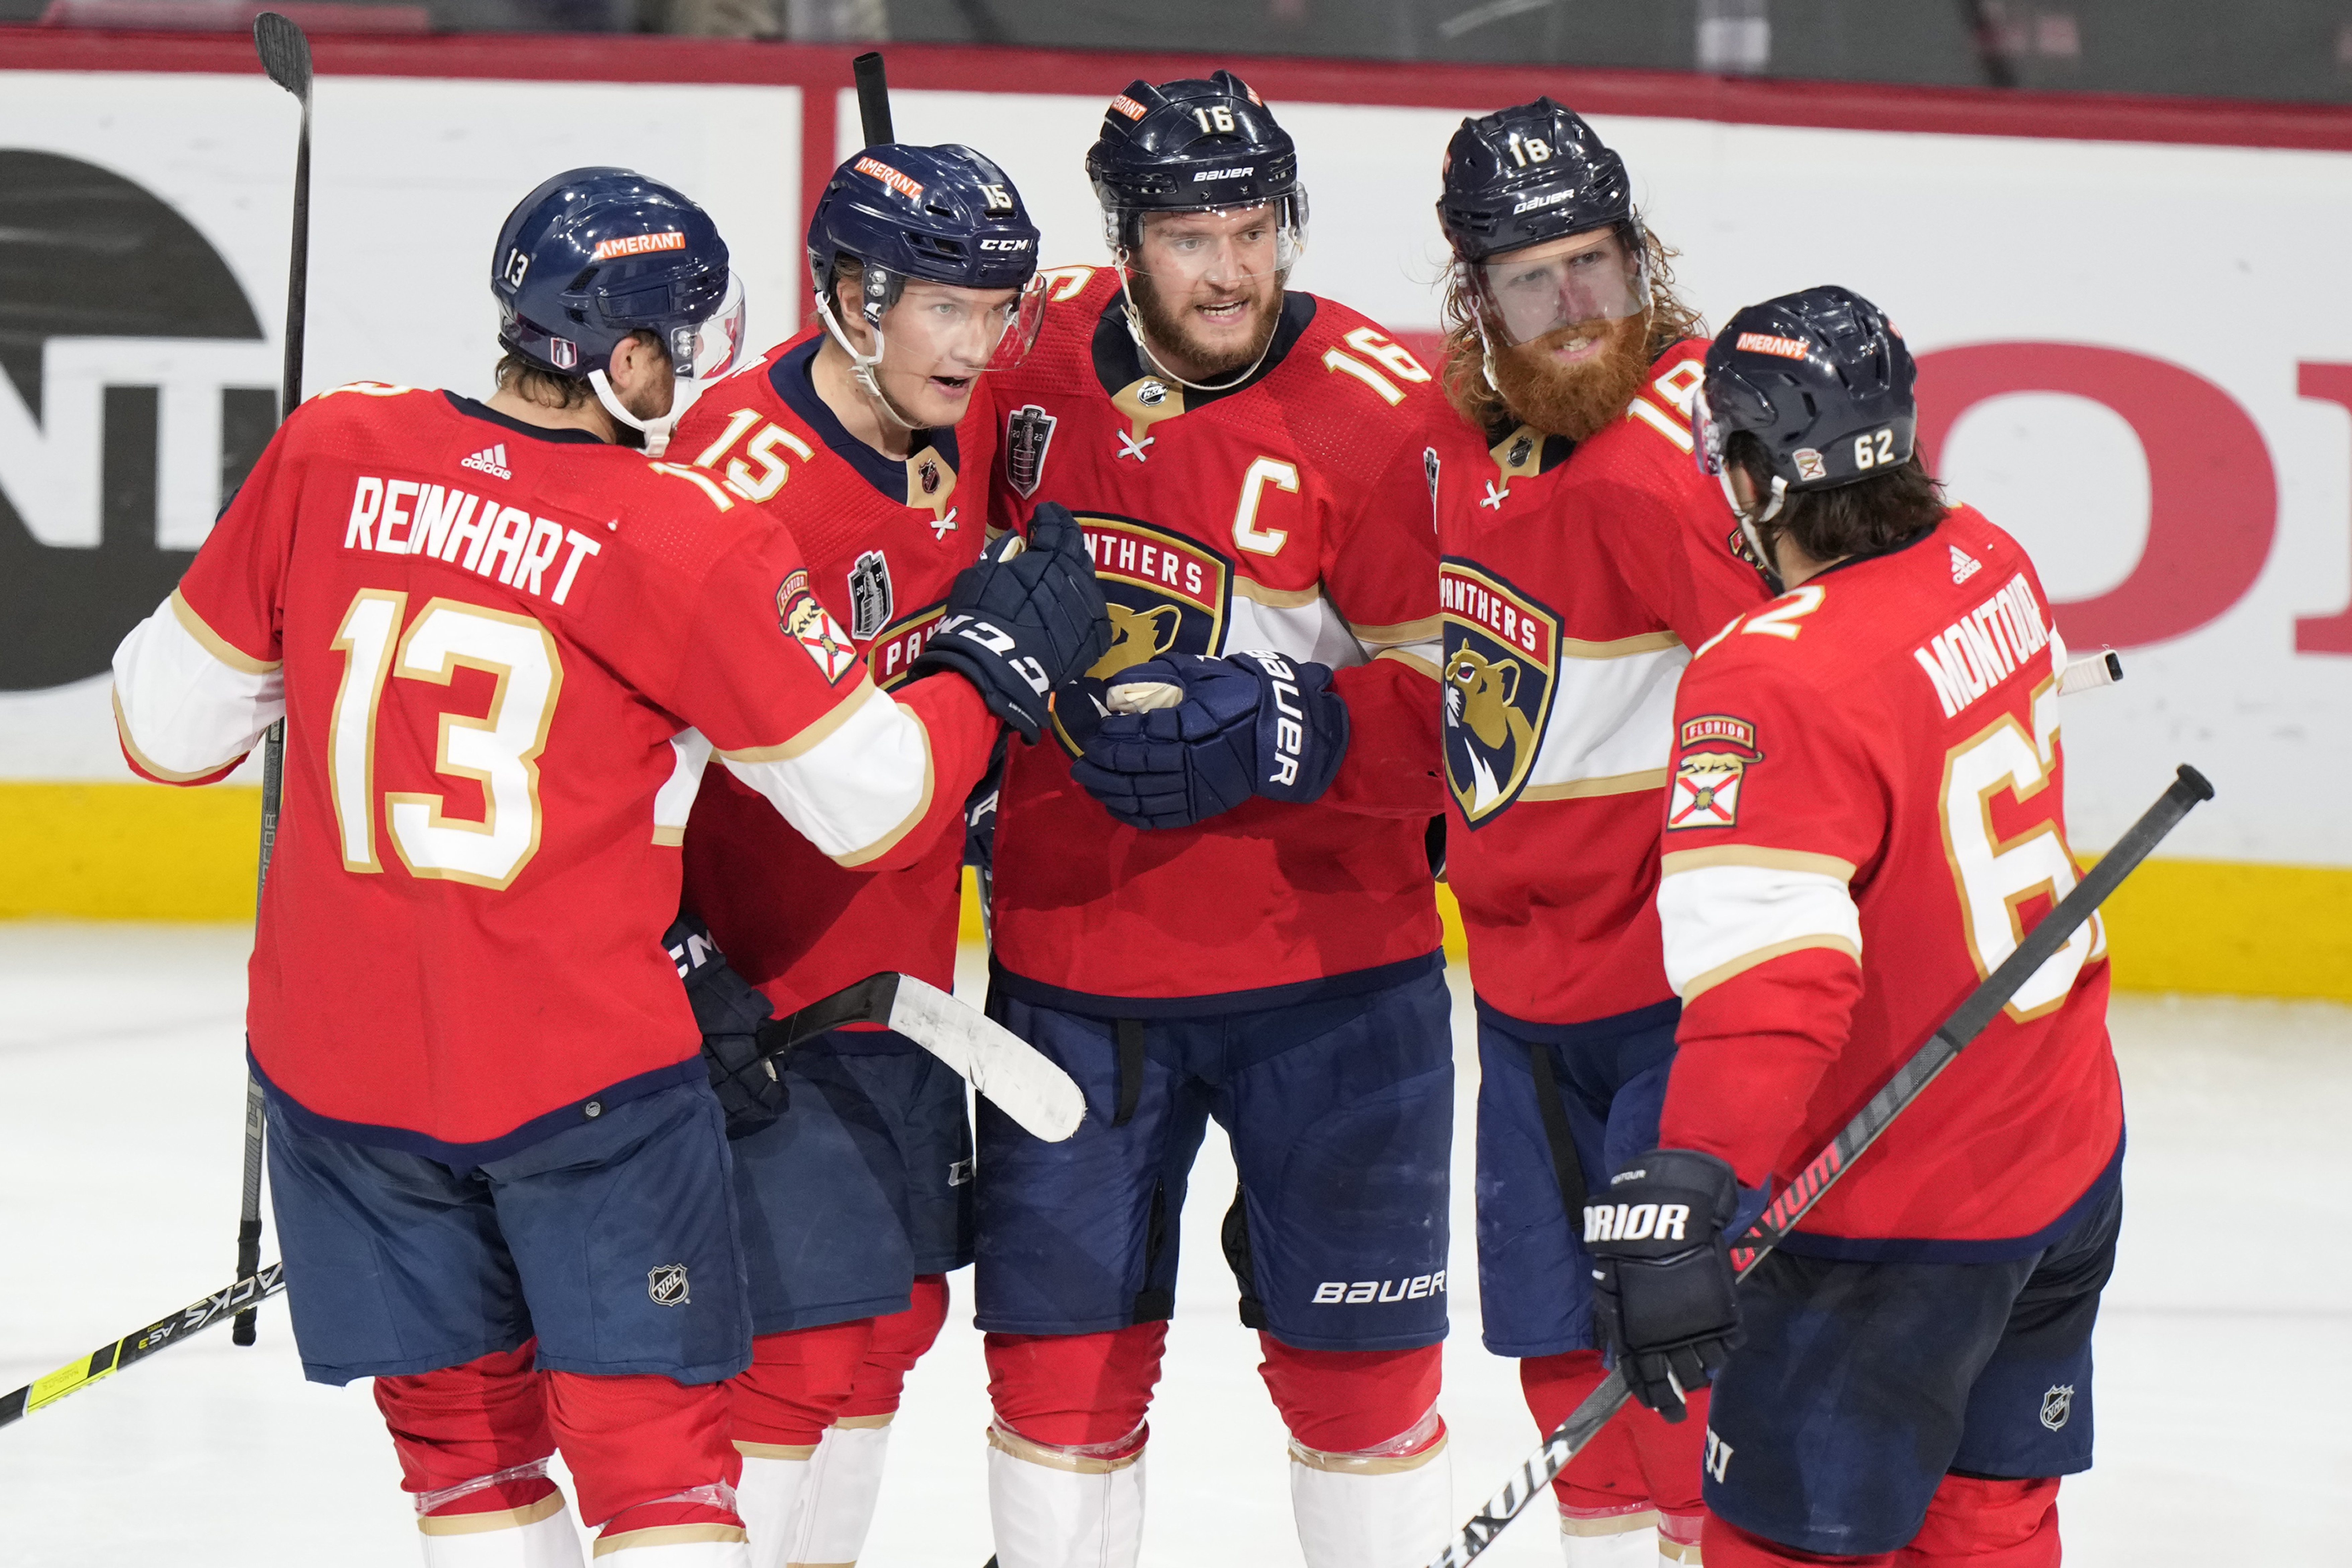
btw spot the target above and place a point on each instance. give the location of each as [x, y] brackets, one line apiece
[474, 1442]
[1987, 1522]
[654, 1467]
[1066, 1506]
[1077, 1390]
[1729, 1546]
[844, 1477]
[1390, 1505]
[1606, 1509]
[796, 1386]
[538, 1535]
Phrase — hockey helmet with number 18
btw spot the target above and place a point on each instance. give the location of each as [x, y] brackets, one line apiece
[596, 255]
[1524, 177]
[1195, 146]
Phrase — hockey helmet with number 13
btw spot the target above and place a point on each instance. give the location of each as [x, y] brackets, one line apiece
[1820, 378]
[946, 215]
[596, 255]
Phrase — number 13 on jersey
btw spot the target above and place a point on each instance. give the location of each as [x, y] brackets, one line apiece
[498, 750]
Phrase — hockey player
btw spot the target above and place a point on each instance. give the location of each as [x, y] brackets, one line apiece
[492, 1144]
[1248, 930]
[1867, 814]
[1585, 557]
[869, 437]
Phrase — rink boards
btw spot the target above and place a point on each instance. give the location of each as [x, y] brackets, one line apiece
[2135, 354]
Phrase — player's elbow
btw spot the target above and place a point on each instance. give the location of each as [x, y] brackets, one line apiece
[860, 791]
[184, 713]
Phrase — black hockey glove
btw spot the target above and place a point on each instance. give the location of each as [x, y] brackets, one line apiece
[729, 1013]
[1025, 620]
[1663, 1298]
[1189, 737]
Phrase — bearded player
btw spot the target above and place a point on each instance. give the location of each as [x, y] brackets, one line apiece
[1212, 898]
[499, 1171]
[869, 437]
[1867, 814]
[1585, 557]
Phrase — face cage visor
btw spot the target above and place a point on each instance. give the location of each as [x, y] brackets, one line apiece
[943, 329]
[1579, 279]
[1709, 435]
[1181, 248]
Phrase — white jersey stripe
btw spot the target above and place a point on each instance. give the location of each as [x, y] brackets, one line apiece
[182, 709]
[1720, 920]
[855, 789]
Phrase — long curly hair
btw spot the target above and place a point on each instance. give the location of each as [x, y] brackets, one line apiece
[1475, 398]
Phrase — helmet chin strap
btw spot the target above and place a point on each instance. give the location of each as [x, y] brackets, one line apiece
[864, 368]
[656, 430]
[1143, 343]
[1749, 522]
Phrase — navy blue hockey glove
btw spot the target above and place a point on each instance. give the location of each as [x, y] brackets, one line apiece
[729, 1013]
[1025, 620]
[1662, 1299]
[1189, 737]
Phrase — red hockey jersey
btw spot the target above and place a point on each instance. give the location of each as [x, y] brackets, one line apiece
[489, 640]
[884, 538]
[1867, 814]
[1577, 579]
[1293, 515]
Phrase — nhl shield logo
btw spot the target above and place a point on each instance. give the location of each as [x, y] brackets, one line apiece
[2057, 1405]
[869, 595]
[1028, 431]
[1502, 653]
[667, 1285]
[1166, 593]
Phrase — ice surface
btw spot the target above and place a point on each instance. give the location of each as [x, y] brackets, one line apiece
[2221, 1380]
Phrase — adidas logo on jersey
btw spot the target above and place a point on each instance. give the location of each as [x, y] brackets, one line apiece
[1964, 566]
[492, 460]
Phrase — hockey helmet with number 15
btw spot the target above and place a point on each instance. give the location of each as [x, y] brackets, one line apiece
[596, 255]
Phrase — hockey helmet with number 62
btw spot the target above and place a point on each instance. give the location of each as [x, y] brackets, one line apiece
[1820, 378]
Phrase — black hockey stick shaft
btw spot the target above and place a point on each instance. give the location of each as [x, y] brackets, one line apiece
[286, 56]
[239, 1299]
[1821, 1172]
[873, 98]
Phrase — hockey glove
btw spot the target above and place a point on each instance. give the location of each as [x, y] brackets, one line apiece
[1025, 620]
[729, 1013]
[1663, 1298]
[1189, 737]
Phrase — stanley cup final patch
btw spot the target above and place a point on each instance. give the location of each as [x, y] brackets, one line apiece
[869, 595]
[1716, 753]
[666, 1283]
[1028, 431]
[807, 622]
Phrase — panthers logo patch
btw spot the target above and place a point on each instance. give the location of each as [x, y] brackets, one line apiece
[1502, 655]
[1167, 594]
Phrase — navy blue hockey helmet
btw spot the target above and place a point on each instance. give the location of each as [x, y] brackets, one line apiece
[1821, 378]
[595, 255]
[1194, 145]
[1523, 177]
[943, 215]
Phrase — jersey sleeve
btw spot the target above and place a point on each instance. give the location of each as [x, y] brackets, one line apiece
[1669, 538]
[1380, 570]
[198, 682]
[1772, 807]
[778, 688]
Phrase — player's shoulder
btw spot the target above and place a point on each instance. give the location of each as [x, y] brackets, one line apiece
[1651, 443]
[1346, 389]
[366, 410]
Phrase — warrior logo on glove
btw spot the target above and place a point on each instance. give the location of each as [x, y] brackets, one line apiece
[1167, 594]
[1502, 652]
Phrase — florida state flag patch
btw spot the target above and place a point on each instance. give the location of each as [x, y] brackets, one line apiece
[1716, 750]
[807, 622]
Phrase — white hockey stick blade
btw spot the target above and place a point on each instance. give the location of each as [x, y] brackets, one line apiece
[1019, 1081]
[2103, 668]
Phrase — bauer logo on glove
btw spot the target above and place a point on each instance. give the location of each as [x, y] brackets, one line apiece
[1190, 737]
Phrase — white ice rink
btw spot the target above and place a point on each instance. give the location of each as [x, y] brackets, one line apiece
[2223, 1379]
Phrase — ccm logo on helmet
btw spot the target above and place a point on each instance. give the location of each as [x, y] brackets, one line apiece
[637, 244]
[1224, 173]
[1004, 244]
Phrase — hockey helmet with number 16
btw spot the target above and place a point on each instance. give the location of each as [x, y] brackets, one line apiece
[947, 215]
[596, 255]
[1195, 146]
[1521, 179]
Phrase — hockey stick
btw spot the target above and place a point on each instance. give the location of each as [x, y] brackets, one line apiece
[1820, 1174]
[873, 98]
[286, 57]
[1022, 1082]
[240, 1299]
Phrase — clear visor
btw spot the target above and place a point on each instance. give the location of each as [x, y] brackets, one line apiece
[1708, 434]
[1599, 276]
[941, 329]
[707, 349]
[1211, 247]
